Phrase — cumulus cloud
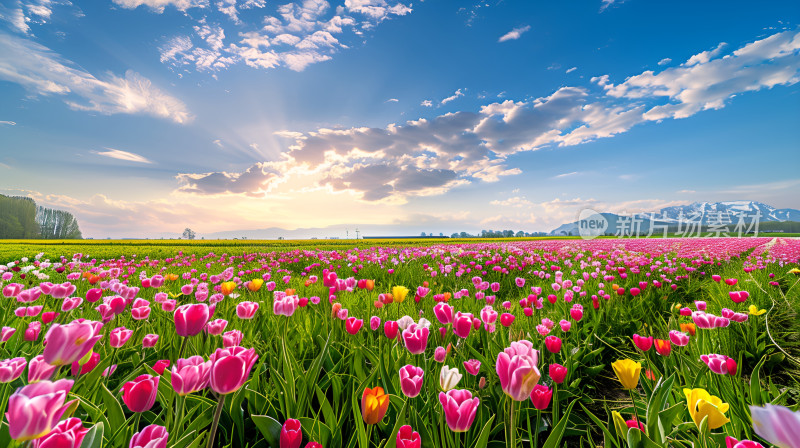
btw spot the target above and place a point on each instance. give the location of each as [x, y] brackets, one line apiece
[432, 155]
[122, 155]
[664, 61]
[254, 181]
[159, 5]
[297, 35]
[426, 103]
[20, 14]
[514, 34]
[43, 72]
[458, 93]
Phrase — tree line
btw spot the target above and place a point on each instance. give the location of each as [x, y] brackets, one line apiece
[21, 218]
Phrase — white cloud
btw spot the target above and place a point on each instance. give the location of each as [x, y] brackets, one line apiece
[458, 93]
[606, 3]
[572, 69]
[664, 61]
[122, 155]
[426, 103]
[707, 82]
[514, 34]
[515, 201]
[392, 100]
[20, 14]
[432, 155]
[159, 5]
[43, 72]
[300, 34]
[9, 123]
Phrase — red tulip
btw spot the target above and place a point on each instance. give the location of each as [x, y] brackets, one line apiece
[140, 394]
[352, 325]
[291, 434]
[553, 344]
[540, 396]
[643, 343]
[557, 373]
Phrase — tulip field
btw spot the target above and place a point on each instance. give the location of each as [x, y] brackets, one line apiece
[684, 342]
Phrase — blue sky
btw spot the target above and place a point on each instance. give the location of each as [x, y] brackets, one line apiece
[143, 117]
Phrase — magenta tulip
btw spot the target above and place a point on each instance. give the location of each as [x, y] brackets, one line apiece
[11, 369]
[408, 438]
[149, 341]
[462, 324]
[553, 344]
[67, 433]
[291, 434]
[190, 375]
[411, 379]
[191, 319]
[246, 310]
[517, 370]
[140, 394]
[39, 369]
[540, 396]
[153, 436]
[34, 410]
[230, 368]
[473, 366]
[119, 336]
[459, 408]
[416, 339]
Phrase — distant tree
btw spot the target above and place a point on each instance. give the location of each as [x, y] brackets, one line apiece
[422, 234]
[441, 234]
[57, 224]
[188, 234]
[18, 218]
[520, 234]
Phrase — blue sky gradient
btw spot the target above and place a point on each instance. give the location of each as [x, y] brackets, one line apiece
[143, 117]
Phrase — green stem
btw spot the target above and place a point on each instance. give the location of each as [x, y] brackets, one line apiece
[215, 423]
[183, 347]
[635, 410]
[535, 437]
[178, 425]
[512, 426]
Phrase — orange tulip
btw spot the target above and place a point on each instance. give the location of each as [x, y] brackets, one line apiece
[447, 296]
[171, 277]
[689, 328]
[227, 287]
[370, 285]
[374, 404]
[290, 291]
[255, 284]
[308, 282]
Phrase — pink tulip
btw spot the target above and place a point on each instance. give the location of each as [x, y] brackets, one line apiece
[160, 366]
[34, 410]
[374, 323]
[411, 379]
[553, 344]
[119, 336]
[739, 296]
[6, 333]
[12, 289]
[462, 324]
[730, 442]
[777, 425]
[565, 325]
[557, 373]
[731, 281]
[11, 369]
[232, 338]
[190, 319]
[390, 329]
[152, 436]
[720, 364]
[39, 369]
[516, 367]
[407, 438]
[643, 343]
[190, 375]
[291, 434]
[443, 312]
[216, 327]
[285, 306]
[230, 368]
[576, 312]
[473, 366]
[506, 319]
[540, 396]
[416, 339]
[140, 394]
[141, 312]
[33, 330]
[459, 408]
[67, 433]
[439, 354]
[679, 338]
[108, 371]
[149, 341]
[246, 310]
[353, 325]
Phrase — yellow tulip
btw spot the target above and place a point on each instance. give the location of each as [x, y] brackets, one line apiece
[255, 284]
[227, 287]
[399, 293]
[794, 271]
[628, 372]
[755, 311]
[702, 404]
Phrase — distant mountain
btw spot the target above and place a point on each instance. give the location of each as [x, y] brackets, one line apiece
[698, 213]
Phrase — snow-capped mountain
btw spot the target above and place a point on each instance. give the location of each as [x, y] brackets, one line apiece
[699, 213]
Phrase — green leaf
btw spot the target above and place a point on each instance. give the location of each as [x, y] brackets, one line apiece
[269, 427]
[116, 417]
[93, 438]
[656, 404]
[755, 383]
[392, 442]
[602, 425]
[483, 437]
[554, 439]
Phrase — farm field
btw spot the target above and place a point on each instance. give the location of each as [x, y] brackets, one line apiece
[677, 342]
